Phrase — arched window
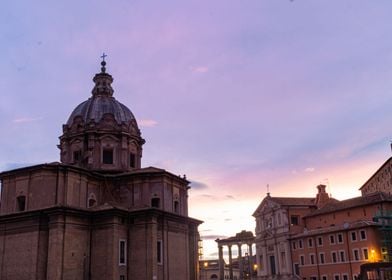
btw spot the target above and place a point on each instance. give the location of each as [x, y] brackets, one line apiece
[155, 202]
[21, 203]
[214, 276]
[77, 156]
[176, 206]
[92, 201]
[132, 160]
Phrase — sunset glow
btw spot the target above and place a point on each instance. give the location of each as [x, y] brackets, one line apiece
[236, 95]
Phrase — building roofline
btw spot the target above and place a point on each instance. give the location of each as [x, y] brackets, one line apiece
[57, 165]
[382, 197]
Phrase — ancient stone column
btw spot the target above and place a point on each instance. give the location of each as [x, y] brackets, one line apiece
[250, 260]
[241, 266]
[221, 263]
[230, 264]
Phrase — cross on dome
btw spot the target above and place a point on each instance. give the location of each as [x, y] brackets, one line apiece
[103, 63]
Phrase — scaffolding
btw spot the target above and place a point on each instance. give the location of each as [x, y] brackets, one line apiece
[384, 219]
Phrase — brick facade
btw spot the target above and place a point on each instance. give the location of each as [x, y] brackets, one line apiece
[97, 215]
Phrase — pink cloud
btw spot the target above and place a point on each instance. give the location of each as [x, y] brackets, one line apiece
[148, 123]
[199, 69]
[26, 120]
[309, 169]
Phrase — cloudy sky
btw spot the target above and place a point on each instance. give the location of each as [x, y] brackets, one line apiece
[234, 94]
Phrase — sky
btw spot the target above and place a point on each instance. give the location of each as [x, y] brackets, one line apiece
[237, 95]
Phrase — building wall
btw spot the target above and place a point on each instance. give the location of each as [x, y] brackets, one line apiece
[342, 236]
[19, 249]
[380, 181]
[68, 248]
[73, 244]
[346, 261]
[59, 236]
[60, 185]
[46, 187]
[366, 212]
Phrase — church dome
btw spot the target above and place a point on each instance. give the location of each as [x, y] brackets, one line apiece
[101, 133]
[102, 102]
[96, 107]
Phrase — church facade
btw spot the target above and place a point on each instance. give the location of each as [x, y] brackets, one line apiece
[97, 214]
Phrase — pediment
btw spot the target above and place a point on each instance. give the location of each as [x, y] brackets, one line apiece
[108, 137]
[266, 206]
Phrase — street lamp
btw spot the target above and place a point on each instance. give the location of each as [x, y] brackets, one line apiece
[372, 255]
[255, 266]
[205, 265]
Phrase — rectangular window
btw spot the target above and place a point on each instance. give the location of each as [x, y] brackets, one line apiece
[340, 238]
[332, 239]
[313, 278]
[294, 220]
[77, 156]
[334, 257]
[122, 277]
[272, 265]
[356, 254]
[296, 269]
[294, 245]
[159, 252]
[365, 253]
[311, 258]
[132, 160]
[353, 236]
[21, 203]
[336, 277]
[320, 241]
[155, 202]
[107, 156]
[302, 260]
[310, 242]
[122, 254]
[324, 277]
[322, 258]
[363, 234]
[345, 277]
[342, 256]
[300, 244]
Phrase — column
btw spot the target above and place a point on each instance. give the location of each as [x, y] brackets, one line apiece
[240, 261]
[251, 262]
[221, 263]
[230, 264]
